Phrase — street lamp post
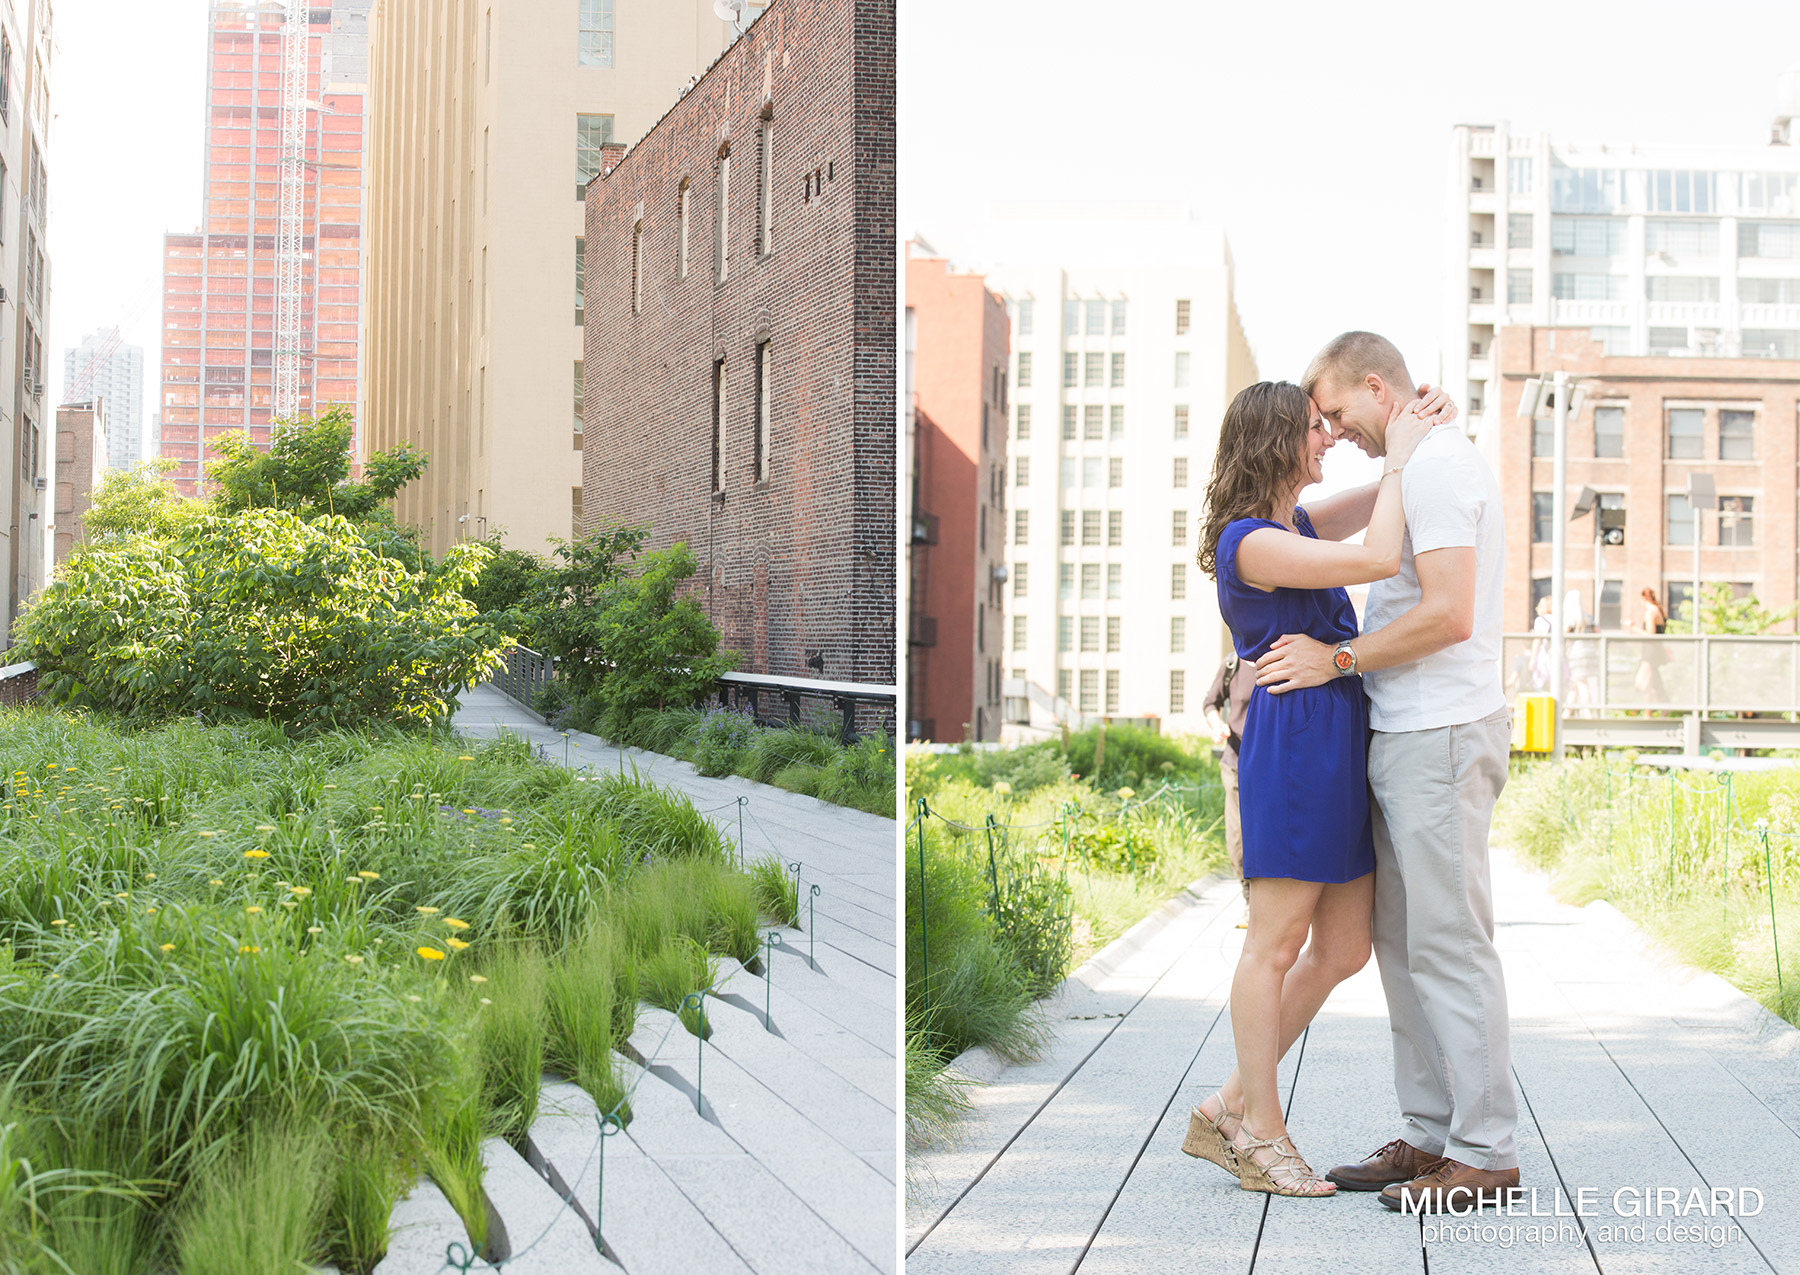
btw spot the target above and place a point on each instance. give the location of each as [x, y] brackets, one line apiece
[1559, 476]
[1701, 494]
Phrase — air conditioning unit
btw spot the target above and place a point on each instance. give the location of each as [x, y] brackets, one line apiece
[40, 483]
[2, 296]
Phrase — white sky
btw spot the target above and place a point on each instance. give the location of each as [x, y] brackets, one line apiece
[1317, 134]
[128, 100]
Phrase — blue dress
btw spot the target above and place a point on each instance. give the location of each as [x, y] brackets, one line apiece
[1303, 774]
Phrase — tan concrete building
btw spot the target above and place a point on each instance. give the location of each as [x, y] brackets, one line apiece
[1647, 423]
[486, 122]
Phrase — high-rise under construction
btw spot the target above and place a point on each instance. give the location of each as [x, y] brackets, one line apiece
[222, 343]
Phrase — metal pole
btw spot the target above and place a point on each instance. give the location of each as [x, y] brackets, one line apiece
[1558, 548]
[1694, 599]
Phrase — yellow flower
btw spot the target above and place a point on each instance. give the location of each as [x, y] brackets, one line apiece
[256, 854]
[458, 944]
[215, 881]
[455, 924]
[149, 876]
[426, 911]
[331, 785]
[300, 891]
[354, 959]
[251, 950]
[1126, 794]
[478, 978]
[415, 999]
[465, 757]
[526, 845]
[289, 903]
[315, 929]
[369, 876]
[168, 947]
[468, 810]
[149, 911]
[506, 819]
[429, 953]
[252, 910]
[125, 895]
[209, 834]
[265, 827]
[376, 809]
[59, 921]
[484, 1000]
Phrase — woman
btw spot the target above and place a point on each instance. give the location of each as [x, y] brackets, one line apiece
[1649, 673]
[1309, 852]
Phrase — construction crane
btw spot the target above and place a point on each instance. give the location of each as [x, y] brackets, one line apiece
[290, 205]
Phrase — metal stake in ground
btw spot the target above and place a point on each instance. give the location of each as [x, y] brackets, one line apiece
[1762, 828]
[609, 1125]
[771, 941]
[742, 859]
[795, 869]
[698, 1001]
[993, 868]
[812, 930]
[924, 936]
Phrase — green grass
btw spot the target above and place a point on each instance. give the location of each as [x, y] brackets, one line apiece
[777, 893]
[1679, 853]
[214, 936]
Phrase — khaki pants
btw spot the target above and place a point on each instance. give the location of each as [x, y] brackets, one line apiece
[1434, 937]
[1234, 828]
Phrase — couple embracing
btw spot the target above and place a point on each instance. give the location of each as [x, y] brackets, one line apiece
[1369, 770]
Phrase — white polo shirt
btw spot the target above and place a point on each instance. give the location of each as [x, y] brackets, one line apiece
[1451, 501]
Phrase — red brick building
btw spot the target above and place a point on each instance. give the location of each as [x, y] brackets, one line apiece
[1646, 424]
[219, 282]
[739, 360]
[80, 461]
[957, 347]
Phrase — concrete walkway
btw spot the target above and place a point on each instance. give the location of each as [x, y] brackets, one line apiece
[791, 1165]
[1633, 1072]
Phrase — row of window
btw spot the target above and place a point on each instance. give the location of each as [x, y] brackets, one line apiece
[1089, 701]
[1091, 317]
[1684, 434]
[1664, 190]
[1736, 518]
[1095, 471]
[1091, 422]
[1675, 594]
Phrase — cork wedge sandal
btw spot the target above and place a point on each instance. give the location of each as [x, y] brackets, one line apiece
[1284, 1174]
[1206, 1140]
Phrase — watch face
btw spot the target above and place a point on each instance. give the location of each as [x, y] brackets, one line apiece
[1344, 660]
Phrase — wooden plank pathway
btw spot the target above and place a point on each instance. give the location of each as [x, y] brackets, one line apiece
[1634, 1072]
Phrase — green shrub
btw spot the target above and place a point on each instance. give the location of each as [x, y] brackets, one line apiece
[862, 776]
[723, 736]
[509, 1018]
[1114, 847]
[258, 1206]
[1034, 926]
[776, 892]
[1132, 756]
[591, 999]
[263, 614]
[772, 750]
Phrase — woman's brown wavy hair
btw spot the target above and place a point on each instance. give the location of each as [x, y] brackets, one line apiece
[1262, 441]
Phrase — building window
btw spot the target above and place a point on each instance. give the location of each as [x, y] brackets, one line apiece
[1178, 528]
[718, 424]
[722, 216]
[1679, 521]
[1737, 435]
[1587, 286]
[1021, 471]
[1065, 633]
[1115, 417]
[1071, 370]
[1612, 340]
[1737, 522]
[681, 231]
[1681, 190]
[1518, 228]
[637, 267]
[5, 75]
[1024, 373]
[1065, 581]
[1022, 428]
[1184, 369]
[1184, 313]
[1090, 470]
[1177, 691]
[1090, 690]
[1611, 594]
[1521, 179]
[1095, 371]
[1686, 426]
[1518, 287]
[1177, 635]
[1584, 190]
[1093, 422]
[596, 33]
[1117, 379]
[1096, 318]
[1609, 433]
[575, 511]
[1178, 581]
[580, 279]
[1115, 579]
[1777, 240]
[1543, 438]
[1181, 420]
[1587, 236]
[1757, 192]
[1178, 472]
[1071, 318]
[1090, 526]
[1668, 340]
[1090, 580]
[765, 187]
[1681, 287]
[1019, 627]
[1543, 518]
[1068, 528]
[1115, 471]
[1090, 634]
[1768, 291]
[1771, 343]
[1022, 311]
[1069, 422]
[592, 132]
[1115, 528]
[1118, 317]
[579, 390]
[1021, 527]
[1677, 594]
[1682, 240]
[1114, 639]
[1021, 578]
[1112, 690]
[765, 382]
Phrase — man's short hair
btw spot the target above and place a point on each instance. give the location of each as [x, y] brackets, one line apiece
[1347, 359]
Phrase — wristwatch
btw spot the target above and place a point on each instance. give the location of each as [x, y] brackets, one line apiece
[1344, 659]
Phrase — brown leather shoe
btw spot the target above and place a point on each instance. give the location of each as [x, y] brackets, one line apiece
[1450, 1186]
[1398, 1161]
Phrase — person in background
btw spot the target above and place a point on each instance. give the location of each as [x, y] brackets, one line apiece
[1227, 700]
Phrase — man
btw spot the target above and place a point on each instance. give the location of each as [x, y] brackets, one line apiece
[1429, 655]
[1226, 704]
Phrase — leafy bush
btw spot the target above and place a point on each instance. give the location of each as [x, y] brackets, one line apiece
[305, 469]
[1132, 756]
[263, 614]
[724, 734]
[1114, 847]
[505, 587]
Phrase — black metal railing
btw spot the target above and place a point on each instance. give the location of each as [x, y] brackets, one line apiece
[860, 706]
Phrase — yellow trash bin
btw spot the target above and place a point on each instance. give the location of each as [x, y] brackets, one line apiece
[1534, 723]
